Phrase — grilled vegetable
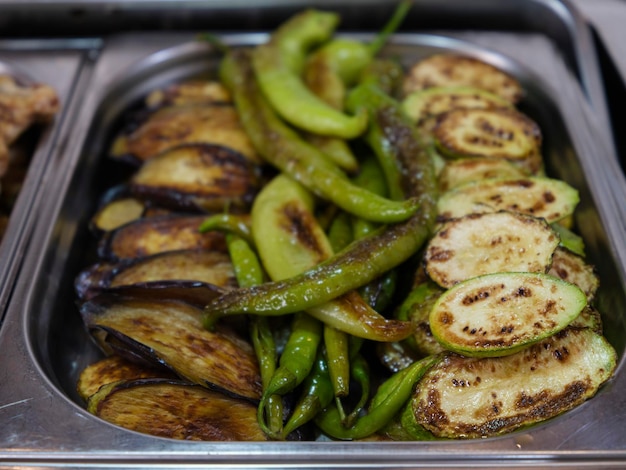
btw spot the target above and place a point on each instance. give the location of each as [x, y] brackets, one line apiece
[175, 125]
[189, 92]
[176, 410]
[113, 369]
[589, 318]
[478, 244]
[569, 240]
[540, 197]
[464, 397]
[153, 235]
[202, 177]
[495, 133]
[499, 314]
[171, 334]
[434, 101]
[452, 70]
[464, 170]
[572, 268]
[210, 267]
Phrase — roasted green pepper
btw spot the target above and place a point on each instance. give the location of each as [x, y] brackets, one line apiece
[283, 148]
[277, 67]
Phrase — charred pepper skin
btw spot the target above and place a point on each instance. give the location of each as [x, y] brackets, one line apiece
[277, 67]
[284, 149]
[367, 258]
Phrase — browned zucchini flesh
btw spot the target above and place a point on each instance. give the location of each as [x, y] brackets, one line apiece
[171, 333]
[547, 198]
[453, 70]
[499, 314]
[573, 268]
[463, 397]
[191, 123]
[478, 244]
[176, 410]
[466, 170]
[202, 177]
[493, 133]
[434, 101]
[113, 369]
[159, 234]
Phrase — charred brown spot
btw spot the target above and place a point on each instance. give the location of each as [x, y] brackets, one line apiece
[299, 223]
[437, 254]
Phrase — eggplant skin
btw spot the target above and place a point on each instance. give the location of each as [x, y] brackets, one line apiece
[176, 410]
[158, 234]
[188, 267]
[170, 333]
[198, 177]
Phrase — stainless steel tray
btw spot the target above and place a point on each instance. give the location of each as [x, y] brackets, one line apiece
[60, 73]
[42, 418]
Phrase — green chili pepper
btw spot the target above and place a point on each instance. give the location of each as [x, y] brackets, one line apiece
[275, 65]
[290, 241]
[297, 359]
[340, 232]
[370, 178]
[389, 400]
[237, 224]
[337, 355]
[317, 394]
[367, 258]
[360, 373]
[283, 148]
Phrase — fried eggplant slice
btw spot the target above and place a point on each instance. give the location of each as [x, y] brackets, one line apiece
[189, 92]
[148, 236]
[463, 397]
[175, 125]
[478, 244]
[548, 198]
[212, 268]
[465, 170]
[434, 101]
[573, 268]
[176, 410]
[198, 177]
[454, 70]
[494, 133]
[502, 313]
[113, 369]
[171, 333]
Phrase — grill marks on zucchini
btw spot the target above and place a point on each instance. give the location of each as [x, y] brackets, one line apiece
[454, 70]
[547, 198]
[463, 397]
[478, 244]
[498, 314]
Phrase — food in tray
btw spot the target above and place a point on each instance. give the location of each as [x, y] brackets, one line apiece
[427, 284]
[21, 106]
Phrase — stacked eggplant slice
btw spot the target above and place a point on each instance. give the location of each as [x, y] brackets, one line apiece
[237, 296]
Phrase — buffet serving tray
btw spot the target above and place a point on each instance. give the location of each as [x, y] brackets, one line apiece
[45, 345]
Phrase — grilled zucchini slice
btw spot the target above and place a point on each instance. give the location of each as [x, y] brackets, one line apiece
[176, 410]
[454, 70]
[548, 198]
[478, 244]
[573, 268]
[499, 314]
[438, 100]
[465, 170]
[494, 133]
[463, 397]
